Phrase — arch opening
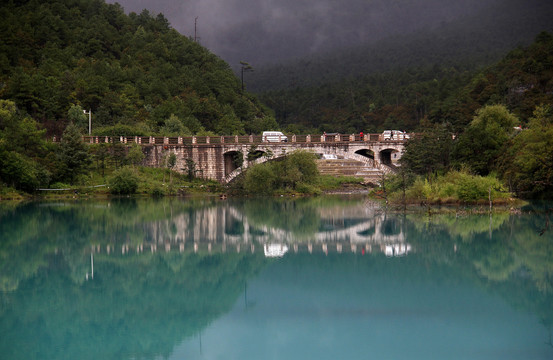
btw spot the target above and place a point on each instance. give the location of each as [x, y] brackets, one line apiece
[390, 157]
[366, 153]
[233, 160]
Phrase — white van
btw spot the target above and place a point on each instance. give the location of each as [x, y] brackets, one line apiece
[274, 136]
[394, 135]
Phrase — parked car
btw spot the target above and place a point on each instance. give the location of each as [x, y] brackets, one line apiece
[274, 136]
[394, 135]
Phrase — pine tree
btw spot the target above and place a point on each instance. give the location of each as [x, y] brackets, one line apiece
[73, 155]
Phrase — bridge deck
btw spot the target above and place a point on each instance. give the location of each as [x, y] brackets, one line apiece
[218, 157]
[235, 139]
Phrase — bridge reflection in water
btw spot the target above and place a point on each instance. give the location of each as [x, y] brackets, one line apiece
[227, 228]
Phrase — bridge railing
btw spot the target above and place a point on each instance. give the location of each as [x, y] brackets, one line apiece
[231, 139]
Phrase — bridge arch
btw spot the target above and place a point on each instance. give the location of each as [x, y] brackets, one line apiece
[232, 160]
[389, 156]
[368, 153]
[258, 160]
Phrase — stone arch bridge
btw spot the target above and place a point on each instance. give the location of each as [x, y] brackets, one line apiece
[222, 158]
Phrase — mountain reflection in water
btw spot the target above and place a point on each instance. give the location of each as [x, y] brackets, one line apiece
[127, 279]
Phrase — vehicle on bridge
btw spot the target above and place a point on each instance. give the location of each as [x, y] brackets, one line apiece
[274, 136]
[394, 135]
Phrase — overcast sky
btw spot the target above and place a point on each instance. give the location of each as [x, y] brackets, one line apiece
[263, 31]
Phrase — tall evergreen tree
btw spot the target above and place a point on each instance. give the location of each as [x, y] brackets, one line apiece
[73, 154]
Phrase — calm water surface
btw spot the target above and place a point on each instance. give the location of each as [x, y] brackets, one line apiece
[322, 278]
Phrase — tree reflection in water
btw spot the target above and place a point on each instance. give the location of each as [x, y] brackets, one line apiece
[165, 269]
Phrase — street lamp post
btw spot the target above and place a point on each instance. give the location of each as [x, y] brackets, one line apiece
[89, 121]
[245, 67]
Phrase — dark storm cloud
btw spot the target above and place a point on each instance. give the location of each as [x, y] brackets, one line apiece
[261, 31]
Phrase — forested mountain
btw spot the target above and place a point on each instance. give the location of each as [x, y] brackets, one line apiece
[396, 81]
[522, 81]
[133, 70]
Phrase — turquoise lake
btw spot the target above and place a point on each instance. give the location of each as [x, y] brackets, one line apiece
[331, 277]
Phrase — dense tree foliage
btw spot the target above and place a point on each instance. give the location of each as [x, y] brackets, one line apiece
[482, 143]
[128, 70]
[509, 132]
[21, 144]
[521, 81]
[429, 152]
[527, 164]
[74, 157]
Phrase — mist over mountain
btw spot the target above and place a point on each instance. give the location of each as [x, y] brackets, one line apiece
[268, 31]
[470, 41]
[299, 42]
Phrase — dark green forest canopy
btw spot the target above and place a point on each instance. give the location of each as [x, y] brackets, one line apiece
[128, 69]
[522, 81]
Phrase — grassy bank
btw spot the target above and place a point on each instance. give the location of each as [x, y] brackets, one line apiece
[143, 181]
[164, 182]
[456, 188]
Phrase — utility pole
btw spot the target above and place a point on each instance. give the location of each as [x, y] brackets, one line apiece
[195, 29]
[89, 113]
[245, 67]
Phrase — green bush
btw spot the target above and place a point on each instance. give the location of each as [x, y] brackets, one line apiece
[157, 191]
[296, 172]
[419, 191]
[470, 188]
[304, 188]
[19, 171]
[448, 191]
[123, 181]
[304, 162]
[455, 186]
[474, 187]
[260, 179]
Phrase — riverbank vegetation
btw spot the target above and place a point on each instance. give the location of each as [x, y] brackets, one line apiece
[32, 166]
[454, 187]
[493, 160]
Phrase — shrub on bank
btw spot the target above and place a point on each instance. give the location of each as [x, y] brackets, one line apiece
[455, 186]
[123, 181]
[260, 179]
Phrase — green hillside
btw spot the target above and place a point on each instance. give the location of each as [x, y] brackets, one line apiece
[522, 81]
[133, 70]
